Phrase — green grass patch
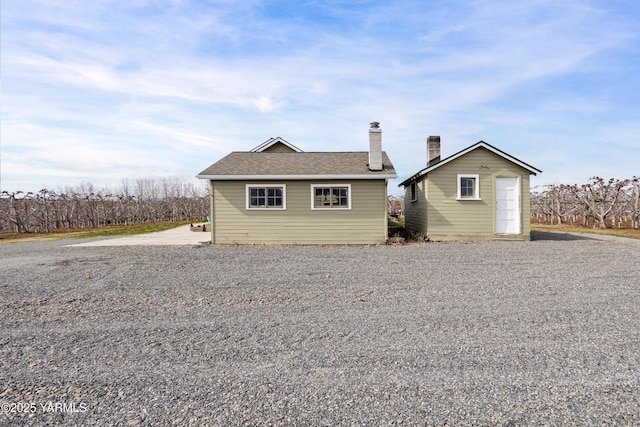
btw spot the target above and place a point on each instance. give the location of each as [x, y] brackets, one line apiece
[117, 230]
[396, 223]
[617, 232]
[395, 226]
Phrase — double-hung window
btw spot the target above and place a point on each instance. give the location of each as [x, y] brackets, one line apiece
[468, 187]
[331, 196]
[272, 196]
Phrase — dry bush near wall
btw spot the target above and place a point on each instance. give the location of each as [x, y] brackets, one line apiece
[403, 236]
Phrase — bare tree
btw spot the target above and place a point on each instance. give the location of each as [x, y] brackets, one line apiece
[602, 196]
[18, 210]
[143, 201]
[395, 206]
[599, 200]
[635, 202]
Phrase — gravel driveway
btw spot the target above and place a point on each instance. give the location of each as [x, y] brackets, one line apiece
[503, 333]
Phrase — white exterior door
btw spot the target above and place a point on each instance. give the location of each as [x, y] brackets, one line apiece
[507, 206]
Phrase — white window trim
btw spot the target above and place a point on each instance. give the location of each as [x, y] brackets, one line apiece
[284, 197]
[477, 187]
[313, 195]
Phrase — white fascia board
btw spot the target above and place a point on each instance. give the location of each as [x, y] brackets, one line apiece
[488, 147]
[261, 146]
[502, 154]
[482, 144]
[291, 177]
[272, 141]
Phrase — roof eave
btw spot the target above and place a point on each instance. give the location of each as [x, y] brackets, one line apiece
[532, 170]
[293, 177]
[411, 178]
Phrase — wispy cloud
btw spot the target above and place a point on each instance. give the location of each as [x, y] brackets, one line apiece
[139, 87]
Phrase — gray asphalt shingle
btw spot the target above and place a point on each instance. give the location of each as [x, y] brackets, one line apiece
[306, 163]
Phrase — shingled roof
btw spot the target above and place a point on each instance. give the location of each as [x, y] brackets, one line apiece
[303, 165]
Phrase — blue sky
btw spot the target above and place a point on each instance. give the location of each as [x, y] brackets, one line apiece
[104, 90]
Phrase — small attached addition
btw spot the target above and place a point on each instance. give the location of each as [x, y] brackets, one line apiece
[479, 193]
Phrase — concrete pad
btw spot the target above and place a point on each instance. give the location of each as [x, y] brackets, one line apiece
[175, 237]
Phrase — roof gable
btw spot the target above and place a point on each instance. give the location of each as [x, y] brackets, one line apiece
[480, 144]
[276, 145]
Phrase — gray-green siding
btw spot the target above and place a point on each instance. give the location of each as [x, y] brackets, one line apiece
[364, 223]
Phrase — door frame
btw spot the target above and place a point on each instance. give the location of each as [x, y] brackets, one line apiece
[518, 204]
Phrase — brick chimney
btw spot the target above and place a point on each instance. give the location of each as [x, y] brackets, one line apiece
[375, 147]
[433, 150]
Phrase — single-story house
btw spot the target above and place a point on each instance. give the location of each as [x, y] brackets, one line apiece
[479, 193]
[278, 194]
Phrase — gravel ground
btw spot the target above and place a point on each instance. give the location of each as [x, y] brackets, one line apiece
[501, 333]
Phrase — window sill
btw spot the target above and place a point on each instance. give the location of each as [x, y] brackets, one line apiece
[468, 199]
[330, 209]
